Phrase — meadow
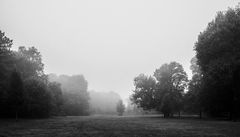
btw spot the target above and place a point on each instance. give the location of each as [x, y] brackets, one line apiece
[118, 126]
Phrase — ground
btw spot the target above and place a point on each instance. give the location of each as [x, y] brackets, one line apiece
[117, 126]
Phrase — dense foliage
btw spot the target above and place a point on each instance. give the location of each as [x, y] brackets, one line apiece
[75, 94]
[25, 90]
[164, 91]
[215, 85]
[218, 54]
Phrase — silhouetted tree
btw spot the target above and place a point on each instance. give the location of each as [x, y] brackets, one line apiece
[29, 62]
[171, 83]
[144, 92]
[75, 95]
[38, 98]
[120, 107]
[15, 98]
[56, 97]
[218, 54]
[192, 97]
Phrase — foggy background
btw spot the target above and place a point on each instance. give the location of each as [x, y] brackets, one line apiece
[109, 42]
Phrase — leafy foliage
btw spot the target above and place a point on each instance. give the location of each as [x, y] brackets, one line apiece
[75, 95]
[165, 93]
[38, 98]
[144, 91]
[218, 54]
[171, 83]
[25, 90]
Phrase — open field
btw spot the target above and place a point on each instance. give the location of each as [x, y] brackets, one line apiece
[114, 126]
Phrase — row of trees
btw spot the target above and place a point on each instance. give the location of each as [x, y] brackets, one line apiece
[215, 84]
[75, 94]
[163, 91]
[103, 102]
[25, 90]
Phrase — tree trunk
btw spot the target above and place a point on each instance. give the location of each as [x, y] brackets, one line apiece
[179, 114]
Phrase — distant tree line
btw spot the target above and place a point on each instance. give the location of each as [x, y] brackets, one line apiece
[103, 102]
[215, 85]
[75, 94]
[25, 90]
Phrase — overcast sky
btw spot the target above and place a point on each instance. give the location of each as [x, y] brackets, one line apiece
[109, 41]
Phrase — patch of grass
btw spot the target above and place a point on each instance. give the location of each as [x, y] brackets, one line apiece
[115, 126]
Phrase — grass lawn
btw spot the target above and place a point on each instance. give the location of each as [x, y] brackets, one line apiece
[115, 126]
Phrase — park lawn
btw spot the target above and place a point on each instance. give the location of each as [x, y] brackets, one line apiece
[116, 126]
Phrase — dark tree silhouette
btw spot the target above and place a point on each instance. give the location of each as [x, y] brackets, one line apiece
[144, 92]
[192, 100]
[38, 99]
[218, 54]
[164, 94]
[15, 94]
[56, 97]
[171, 83]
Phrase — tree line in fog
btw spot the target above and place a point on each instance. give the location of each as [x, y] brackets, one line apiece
[214, 88]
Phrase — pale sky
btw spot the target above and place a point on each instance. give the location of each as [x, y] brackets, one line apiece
[109, 41]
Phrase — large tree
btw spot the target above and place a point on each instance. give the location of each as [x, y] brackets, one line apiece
[144, 92]
[5, 71]
[171, 83]
[75, 94]
[164, 92]
[192, 102]
[29, 62]
[218, 54]
[38, 98]
[15, 98]
[56, 97]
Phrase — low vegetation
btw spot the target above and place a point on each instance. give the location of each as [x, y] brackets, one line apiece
[115, 126]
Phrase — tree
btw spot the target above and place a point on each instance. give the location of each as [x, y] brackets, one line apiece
[218, 54]
[144, 92]
[38, 99]
[29, 62]
[15, 94]
[56, 97]
[75, 95]
[171, 83]
[120, 107]
[192, 100]
[5, 71]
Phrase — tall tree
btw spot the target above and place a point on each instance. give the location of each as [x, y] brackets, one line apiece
[75, 94]
[5, 61]
[56, 97]
[171, 83]
[15, 94]
[5, 71]
[29, 62]
[144, 91]
[218, 54]
[38, 98]
[192, 98]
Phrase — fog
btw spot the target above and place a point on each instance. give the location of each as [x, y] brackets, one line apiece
[109, 42]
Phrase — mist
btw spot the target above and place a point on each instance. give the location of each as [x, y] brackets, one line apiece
[109, 42]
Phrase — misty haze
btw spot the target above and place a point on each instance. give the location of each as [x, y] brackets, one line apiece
[128, 68]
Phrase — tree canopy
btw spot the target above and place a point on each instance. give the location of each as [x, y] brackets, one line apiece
[218, 55]
[164, 91]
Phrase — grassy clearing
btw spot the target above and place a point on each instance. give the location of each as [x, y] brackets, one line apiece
[114, 126]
